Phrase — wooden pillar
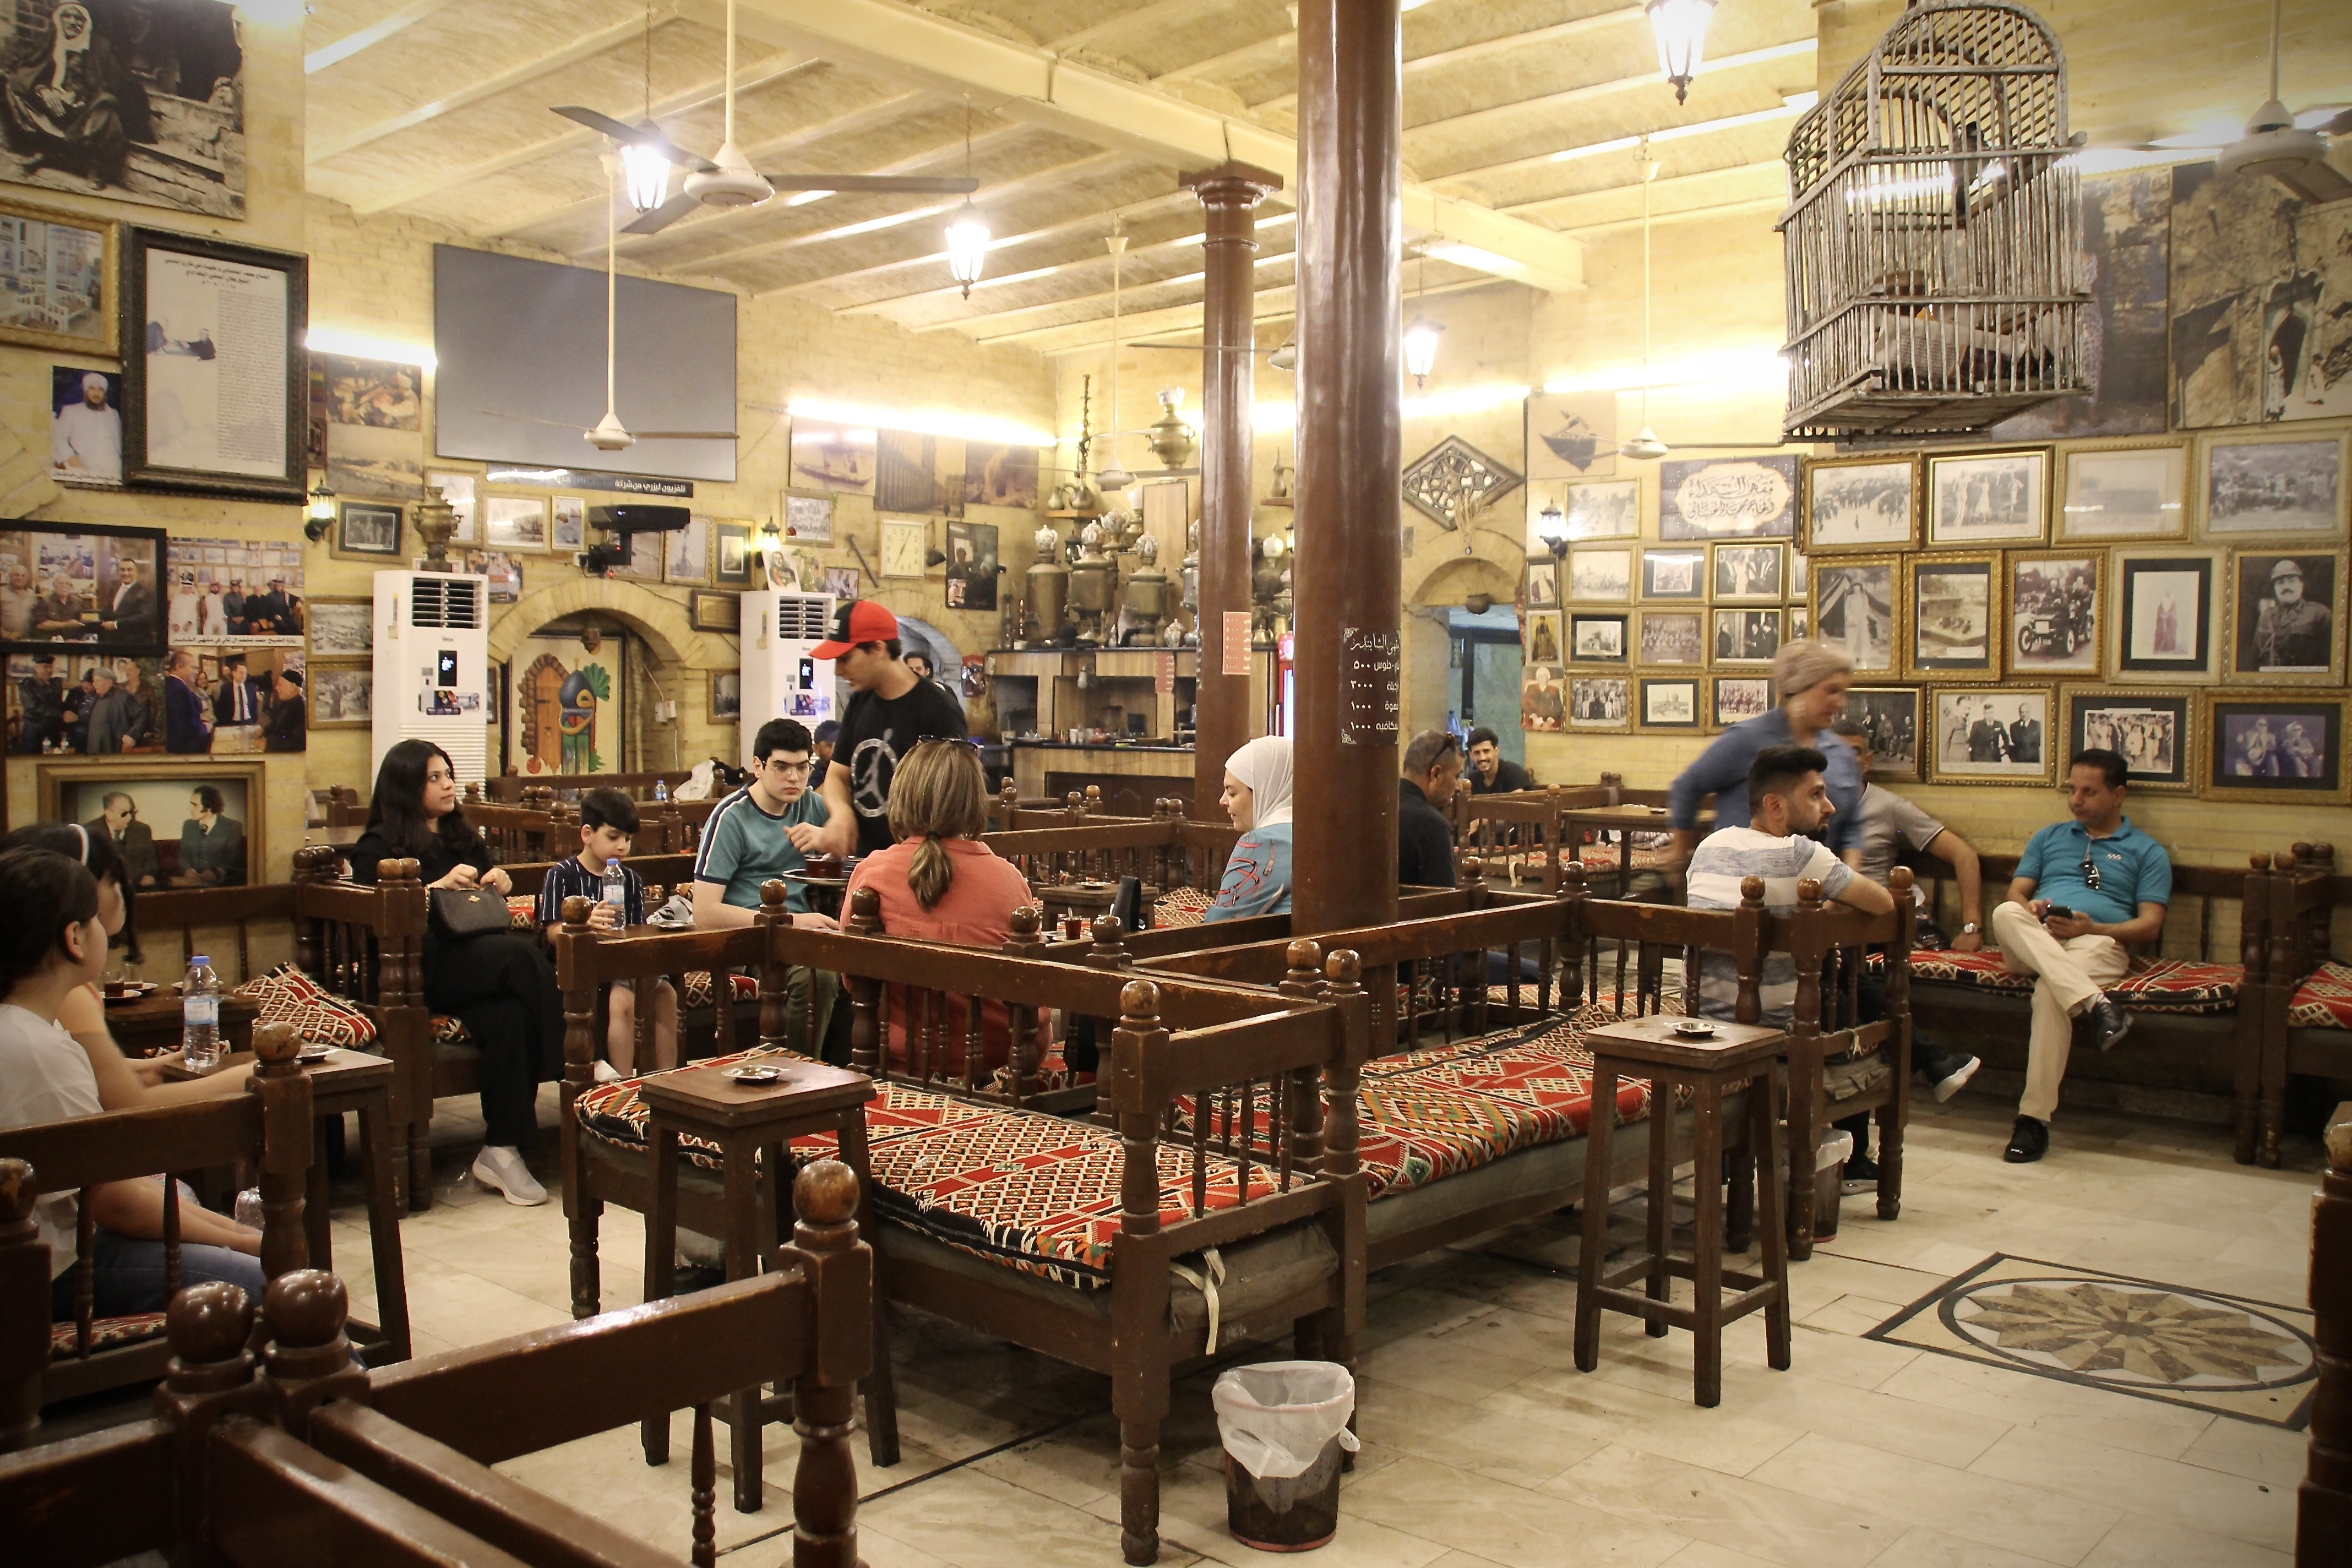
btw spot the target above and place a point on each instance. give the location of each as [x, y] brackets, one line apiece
[1346, 576]
[2324, 1502]
[1230, 194]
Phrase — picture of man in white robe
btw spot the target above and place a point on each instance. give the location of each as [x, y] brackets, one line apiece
[86, 441]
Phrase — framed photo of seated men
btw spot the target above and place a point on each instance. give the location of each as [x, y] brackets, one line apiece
[1992, 734]
[2287, 614]
[180, 822]
[2155, 732]
[2279, 746]
[1890, 717]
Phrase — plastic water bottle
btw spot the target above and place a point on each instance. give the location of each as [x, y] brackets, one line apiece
[661, 793]
[200, 1045]
[616, 892]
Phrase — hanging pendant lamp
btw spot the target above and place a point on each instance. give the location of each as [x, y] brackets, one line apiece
[968, 235]
[1421, 335]
[1680, 29]
[646, 170]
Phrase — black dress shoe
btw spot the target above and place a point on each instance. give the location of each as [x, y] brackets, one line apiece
[2028, 1142]
[2109, 1023]
[689, 1278]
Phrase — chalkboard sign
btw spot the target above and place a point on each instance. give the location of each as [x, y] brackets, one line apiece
[1369, 663]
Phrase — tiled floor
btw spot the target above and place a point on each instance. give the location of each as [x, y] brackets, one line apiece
[1484, 1445]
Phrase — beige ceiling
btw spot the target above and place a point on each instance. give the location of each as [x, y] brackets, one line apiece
[1083, 114]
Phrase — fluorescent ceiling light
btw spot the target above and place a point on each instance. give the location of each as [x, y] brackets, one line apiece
[362, 345]
[1463, 400]
[925, 421]
[1743, 369]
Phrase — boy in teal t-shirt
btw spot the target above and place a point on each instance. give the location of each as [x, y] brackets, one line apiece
[758, 834]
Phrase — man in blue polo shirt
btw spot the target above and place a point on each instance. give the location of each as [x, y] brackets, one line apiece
[2085, 891]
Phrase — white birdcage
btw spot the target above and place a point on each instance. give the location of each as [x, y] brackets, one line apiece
[1933, 273]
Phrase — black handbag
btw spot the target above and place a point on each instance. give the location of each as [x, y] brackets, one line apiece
[461, 912]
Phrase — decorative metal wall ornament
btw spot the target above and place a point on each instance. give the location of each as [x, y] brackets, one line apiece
[1936, 280]
[1453, 479]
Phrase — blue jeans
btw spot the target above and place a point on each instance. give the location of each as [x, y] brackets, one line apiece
[126, 1276]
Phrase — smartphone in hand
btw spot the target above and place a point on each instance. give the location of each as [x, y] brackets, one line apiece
[2056, 911]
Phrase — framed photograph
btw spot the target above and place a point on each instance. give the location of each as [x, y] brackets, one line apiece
[807, 516]
[515, 523]
[1597, 639]
[220, 325]
[1673, 574]
[1996, 734]
[1749, 572]
[970, 565]
[1599, 575]
[569, 531]
[2124, 490]
[367, 531]
[686, 554]
[1728, 498]
[1543, 706]
[1610, 510]
[2166, 614]
[194, 822]
[726, 695]
[1738, 698]
[81, 583]
[504, 571]
[2257, 485]
[2283, 616]
[342, 696]
[1673, 636]
[1799, 580]
[1747, 636]
[58, 272]
[1801, 623]
[2274, 746]
[1858, 604]
[2152, 731]
[85, 426]
[1988, 498]
[1861, 504]
[1891, 716]
[710, 611]
[341, 628]
[1956, 616]
[1543, 639]
[1543, 585]
[839, 459]
[731, 565]
[1670, 704]
[1600, 703]
[2057, 612]
[458, 490]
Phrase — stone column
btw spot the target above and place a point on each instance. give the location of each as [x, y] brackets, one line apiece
[1347, 574]
[1230, 194]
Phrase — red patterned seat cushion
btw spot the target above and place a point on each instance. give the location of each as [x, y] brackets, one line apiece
[448, 1031]
[1181, 907]
[2152, 985]
[286, 995]
[698, 988]
[522, 911]
[1036, 1193]
[2324, 1001]
[106, 1334]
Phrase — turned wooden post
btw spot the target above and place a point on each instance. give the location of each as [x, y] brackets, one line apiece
[24, 1279]
[775, 974]
[209, 1379]
[1804, 1054]
[1343, 987]
[1140, 1283]
[1569, 959]
[841, 1349]
[306, 1361]
[402, 905]
[1894, 1116]
[866, 1048]
[583, 1211]
[1025, 1049]
[1304, 981]
[1747, 938]
[2323, 1504]
[284, 1090]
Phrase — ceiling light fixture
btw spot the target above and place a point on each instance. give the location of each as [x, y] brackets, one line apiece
[1421, 335]
[1681, 26]
[968, 235]
[647, 171]
[922, 421]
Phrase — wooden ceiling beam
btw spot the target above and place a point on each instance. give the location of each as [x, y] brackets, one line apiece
[1485, 47]
[374, 33]
[1591, 91]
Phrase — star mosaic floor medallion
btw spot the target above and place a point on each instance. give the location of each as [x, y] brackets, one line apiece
[2253, 1360]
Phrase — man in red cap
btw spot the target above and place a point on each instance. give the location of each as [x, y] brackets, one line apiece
[892, 709]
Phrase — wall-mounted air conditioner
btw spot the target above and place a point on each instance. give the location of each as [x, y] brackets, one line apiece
[781, 678]
[433, 666]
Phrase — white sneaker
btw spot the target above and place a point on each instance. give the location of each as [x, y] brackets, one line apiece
[500, 1166]
[607, 1072]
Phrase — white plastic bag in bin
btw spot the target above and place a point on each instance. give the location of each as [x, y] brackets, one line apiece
[1276, 1416]
[1836, 1150]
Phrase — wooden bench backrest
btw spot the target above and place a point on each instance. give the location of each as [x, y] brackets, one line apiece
[2197, 923]
[514, 788]
[361, 942]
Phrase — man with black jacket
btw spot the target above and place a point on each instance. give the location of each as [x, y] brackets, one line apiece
[1432, 770]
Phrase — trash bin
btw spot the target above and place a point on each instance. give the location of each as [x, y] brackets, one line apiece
[1283, 1425]
[1829, 1172]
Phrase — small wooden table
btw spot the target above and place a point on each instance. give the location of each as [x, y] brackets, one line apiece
[1709, 1067]
[752, 1124]
[151, 1026]
[351, 1080]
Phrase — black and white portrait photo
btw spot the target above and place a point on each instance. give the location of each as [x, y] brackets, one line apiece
[1747, 572]
[2285, 613]
[1992, 734]
[1597, 639]
[1995, 498]
[1868, 505]
[364, 529]
[2053, 612]
[1854, 606]
[1673, 574]
[1597, 702]
[2274, 487]
[2149, 730]
[85, 427]
[1543, 585]
[1889, 716]
[1953, 609]
[1672, 636]
[1670, 704]
[1747, 636]
[2263, 748]
[1543, 639]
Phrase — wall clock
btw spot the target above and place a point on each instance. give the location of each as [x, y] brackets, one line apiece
[904, 545]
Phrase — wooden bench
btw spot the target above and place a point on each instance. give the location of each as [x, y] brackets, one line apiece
[285, 1455]
[514, 788]
[2305, 995]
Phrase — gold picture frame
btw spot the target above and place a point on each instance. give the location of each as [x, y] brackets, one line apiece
[715, 610]
[2132, 725]
[1845, 610]
[352, 682]
[2099, 492]
[1864, 523]
[1955, 711]
[70, 791]
[2231, 721]
[2056, 619]
[105, 313]
[2256, 647]
[1944, 623]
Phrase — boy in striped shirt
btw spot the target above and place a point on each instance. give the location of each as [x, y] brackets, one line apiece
[1787, 798]
[608, 825]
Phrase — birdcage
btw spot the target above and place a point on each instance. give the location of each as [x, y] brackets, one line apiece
[1933, 273]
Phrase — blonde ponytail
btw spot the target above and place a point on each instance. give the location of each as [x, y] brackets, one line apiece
[938, 792]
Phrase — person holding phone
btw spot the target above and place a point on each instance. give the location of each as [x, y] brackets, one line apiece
[2084, 891]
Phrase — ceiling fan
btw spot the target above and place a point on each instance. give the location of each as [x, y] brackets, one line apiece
[729, 181]
[2290, 148]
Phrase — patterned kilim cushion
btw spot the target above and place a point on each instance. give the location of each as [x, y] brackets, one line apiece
[1181, 907]
[286, 995]
[2324, 1001]
[106, 1334]
[448, 1031]
[1604, 857]
[2153, 985]
[1982, 969]
[522, 911]
[698, 988]
[1034, 1191]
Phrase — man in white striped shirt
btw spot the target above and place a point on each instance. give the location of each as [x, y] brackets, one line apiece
[1788, 798]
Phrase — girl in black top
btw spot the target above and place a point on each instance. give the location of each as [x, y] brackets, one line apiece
[501, 985]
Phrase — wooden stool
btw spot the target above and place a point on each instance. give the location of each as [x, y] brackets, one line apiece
[751, 1123]
[1649, 1048]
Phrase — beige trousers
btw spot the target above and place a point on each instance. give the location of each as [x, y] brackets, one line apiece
[2070, 976]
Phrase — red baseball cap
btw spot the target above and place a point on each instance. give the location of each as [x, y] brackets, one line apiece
[858, 621]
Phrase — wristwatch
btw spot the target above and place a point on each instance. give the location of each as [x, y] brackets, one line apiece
[1971, 929]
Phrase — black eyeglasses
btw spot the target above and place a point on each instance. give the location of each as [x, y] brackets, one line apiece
[2090, 872]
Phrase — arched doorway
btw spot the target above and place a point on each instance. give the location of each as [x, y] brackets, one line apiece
[582, 664]
[1462, 665]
